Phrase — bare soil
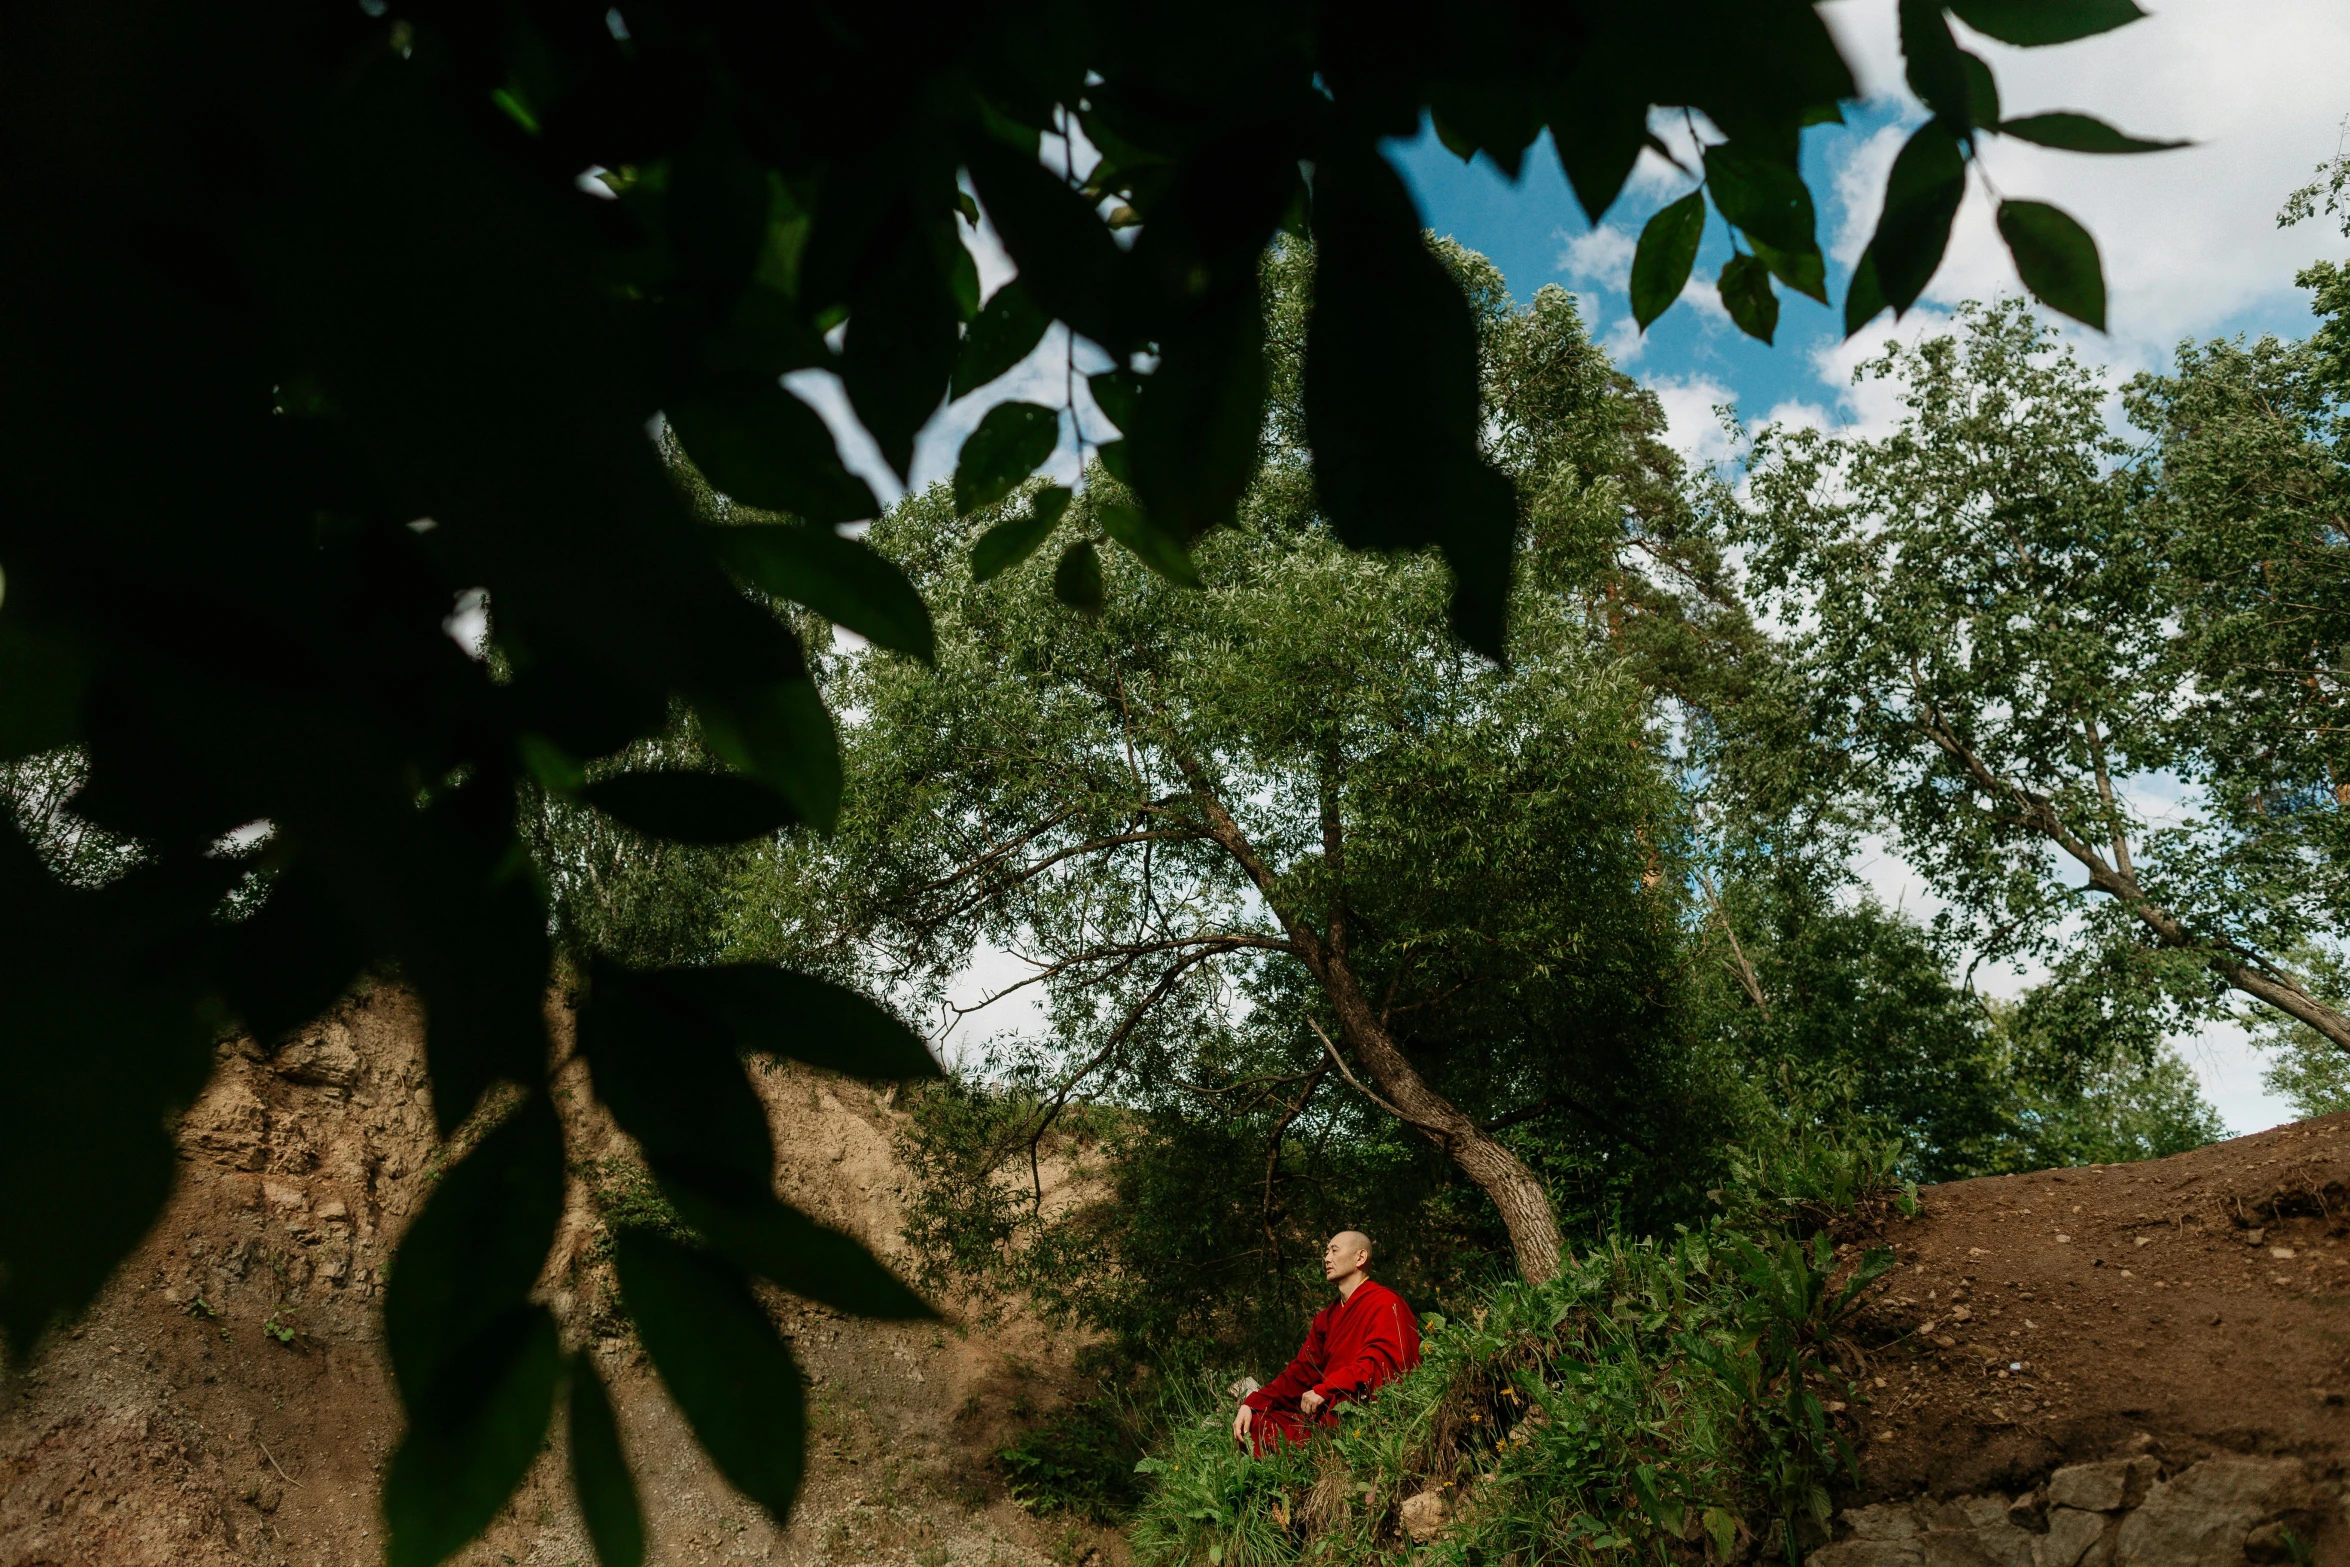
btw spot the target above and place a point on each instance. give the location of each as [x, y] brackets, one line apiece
[2185, 1307]
[227, 1400]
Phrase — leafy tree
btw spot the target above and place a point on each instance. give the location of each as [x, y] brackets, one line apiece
[264, 429]
[2246, 501]
[1986, 612]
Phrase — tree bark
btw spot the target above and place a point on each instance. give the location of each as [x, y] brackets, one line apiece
[1512, 1188]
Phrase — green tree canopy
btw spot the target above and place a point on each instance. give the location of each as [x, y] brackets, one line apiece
[1986, 603]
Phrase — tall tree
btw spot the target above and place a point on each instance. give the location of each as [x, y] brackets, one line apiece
[1986, 628]
[1472, 867]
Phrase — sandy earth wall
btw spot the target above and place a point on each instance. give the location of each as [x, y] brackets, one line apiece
[227, 1400]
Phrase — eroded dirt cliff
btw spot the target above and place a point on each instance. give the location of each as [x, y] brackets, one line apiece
[227, 1400]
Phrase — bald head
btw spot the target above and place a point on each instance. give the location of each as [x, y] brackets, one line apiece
[1346, 1261]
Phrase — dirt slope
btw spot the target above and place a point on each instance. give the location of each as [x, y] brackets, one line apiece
[227, 1400]
[2190, 1310]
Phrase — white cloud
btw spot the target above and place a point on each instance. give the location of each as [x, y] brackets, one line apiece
[1691, 425]
[1859, 170]
[1602, 255]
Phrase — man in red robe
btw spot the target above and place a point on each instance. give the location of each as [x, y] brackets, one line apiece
[1370, 1337]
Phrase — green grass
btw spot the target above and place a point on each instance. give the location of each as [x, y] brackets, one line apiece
[1661, 1400]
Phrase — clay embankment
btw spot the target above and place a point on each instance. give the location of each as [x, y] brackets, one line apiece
[2143, 1365]
[227, 1400]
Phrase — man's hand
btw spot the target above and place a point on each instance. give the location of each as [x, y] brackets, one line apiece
[1311, 1400]
[1241, 1423]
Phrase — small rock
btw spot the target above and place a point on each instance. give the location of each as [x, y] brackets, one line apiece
[2071, 1533]
[280, 1194]
[2102, 1488]
[2205, 1512]
[2281, 1253]
[334, 1211]
[1884, 1521]
[2255, 1237]
[2030, 1512]
[1425, 1514]
[328, 1061]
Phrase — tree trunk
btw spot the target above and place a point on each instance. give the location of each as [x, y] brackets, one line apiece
[1498, 1173]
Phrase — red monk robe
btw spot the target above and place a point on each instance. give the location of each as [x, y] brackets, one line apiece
[1355, 1346]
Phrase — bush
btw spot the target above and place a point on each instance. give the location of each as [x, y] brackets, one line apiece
[1658, 1397]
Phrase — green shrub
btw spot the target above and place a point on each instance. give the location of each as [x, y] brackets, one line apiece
[1078, 1460]
[1657, 1394]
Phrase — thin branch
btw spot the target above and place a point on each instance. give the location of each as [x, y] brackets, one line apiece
[2121, 842]
[1295, 1109]
[1744, 969]
[1441, 1134]
[1118, 1038]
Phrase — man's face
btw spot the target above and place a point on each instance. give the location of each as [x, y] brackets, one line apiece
[1340, 1259]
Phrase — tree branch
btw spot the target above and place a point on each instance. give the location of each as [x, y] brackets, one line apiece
[1289, 1117]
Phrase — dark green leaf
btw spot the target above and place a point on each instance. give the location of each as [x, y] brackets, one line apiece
[1005, 332]
[1747, 295]
[1014, 539]
[479, 960]
[758, 443]
[1668, 248]
[288, 962]
[1009, 444]
[1067, 259]
[470, 1258]
[1763, 197]
[1863, 300]
[1077, 578]
[1597, 132]
[689, 807]
[1150, 544]
[779, 733]
[774, 1011]
[724, 1365]
[1117, 459]
[1391, 393]
[1933, 62]
[794, 1252]
[2080, 133]
[1803, 271]
[2056, 258]
[1193, 443]
[100, 1048]
[963, 284]
[1118, 394]
[2035, 22]
[600, 1478]
[899, 356]
[41, 684]
[1922, 194]
[1982, 89]
[846, 581]
[674, 1081]
[470, 1442]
